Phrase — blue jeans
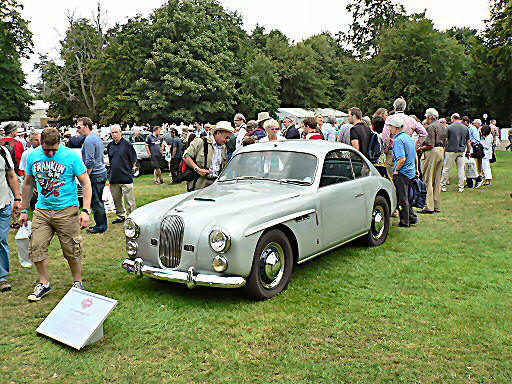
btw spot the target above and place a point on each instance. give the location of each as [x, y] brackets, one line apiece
[5, 221]
[100, 217]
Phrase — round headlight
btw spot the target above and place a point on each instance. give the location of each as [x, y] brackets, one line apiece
[131, 230]
[219, 240]
[220, 264]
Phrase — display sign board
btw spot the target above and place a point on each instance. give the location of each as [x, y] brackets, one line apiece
[78, 318]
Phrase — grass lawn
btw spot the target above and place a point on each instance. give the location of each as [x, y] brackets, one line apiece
[432, 305]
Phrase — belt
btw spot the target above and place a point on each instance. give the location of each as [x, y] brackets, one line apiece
[439, 145]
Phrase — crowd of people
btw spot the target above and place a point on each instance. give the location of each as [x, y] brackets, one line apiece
[45, 166]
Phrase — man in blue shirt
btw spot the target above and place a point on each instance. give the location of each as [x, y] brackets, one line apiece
[54, 169]
[92, 155]
[404, 171]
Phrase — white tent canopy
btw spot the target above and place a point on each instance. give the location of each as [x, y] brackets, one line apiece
[299, 114]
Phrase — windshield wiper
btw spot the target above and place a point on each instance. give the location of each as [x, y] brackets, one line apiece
[241, 178]
[295, 181]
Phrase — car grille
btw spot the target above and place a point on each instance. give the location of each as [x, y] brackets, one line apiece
[171, 240]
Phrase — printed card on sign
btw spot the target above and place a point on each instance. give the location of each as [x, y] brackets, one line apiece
[78, 318]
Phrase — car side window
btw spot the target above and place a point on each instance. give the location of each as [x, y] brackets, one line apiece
[337, 168]
[359, 166]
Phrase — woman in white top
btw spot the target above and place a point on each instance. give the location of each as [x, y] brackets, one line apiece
[487, 142]
[273, 131]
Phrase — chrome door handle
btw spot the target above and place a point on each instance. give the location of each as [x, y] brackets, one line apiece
[360, 194]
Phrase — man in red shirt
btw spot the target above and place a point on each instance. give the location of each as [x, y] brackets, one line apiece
[10, 142]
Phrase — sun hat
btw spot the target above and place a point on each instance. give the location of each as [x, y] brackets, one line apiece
[396, 122]
[222, 126]
[262, 116]
[239, 116]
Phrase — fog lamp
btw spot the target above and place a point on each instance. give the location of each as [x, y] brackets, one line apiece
[220, 264]
[131, 248]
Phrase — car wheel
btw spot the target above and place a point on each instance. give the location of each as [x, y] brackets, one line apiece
[272, 266]
[379, 227]
[136, 169]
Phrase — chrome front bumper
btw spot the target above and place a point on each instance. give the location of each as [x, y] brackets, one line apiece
[191, 278]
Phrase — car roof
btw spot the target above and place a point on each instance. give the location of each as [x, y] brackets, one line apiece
[142, 132]
[318, 148]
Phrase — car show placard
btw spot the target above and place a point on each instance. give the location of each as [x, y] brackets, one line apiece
[78, 318]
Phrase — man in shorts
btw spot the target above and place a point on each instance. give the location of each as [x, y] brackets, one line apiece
[54, 169]
[154, 146]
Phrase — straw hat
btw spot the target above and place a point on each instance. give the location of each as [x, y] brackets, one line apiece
[223, 126]
[262, 116]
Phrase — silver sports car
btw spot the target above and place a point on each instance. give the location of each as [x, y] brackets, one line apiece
[276, 204]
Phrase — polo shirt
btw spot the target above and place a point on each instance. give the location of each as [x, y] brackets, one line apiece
[405, 147]
[121, 157]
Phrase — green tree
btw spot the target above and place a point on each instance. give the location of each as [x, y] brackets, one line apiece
[369, 19]
[259, 89]
[190, 73]
[415, 61]
[331, 57]
[15, 43]
[72, 84]
[305, 83]
[128, 47]
[493, 64]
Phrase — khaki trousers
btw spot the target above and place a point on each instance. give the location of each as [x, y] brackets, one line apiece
[389, 164]
[450, 158]
[432, 169]
[128, 192]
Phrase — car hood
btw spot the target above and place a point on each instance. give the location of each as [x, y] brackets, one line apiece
[232, 197]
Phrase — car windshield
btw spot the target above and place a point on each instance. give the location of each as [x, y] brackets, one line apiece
[292, 167]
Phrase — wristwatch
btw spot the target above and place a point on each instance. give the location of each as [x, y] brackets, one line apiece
[87, 210]
[196, 169]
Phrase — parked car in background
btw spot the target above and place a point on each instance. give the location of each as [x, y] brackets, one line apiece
[275, 205]
[143, 163]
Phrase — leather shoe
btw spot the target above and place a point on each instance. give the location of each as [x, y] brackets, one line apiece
[93, 230]
[400, 225]
[117, 221]
[4, 286]
[423, 212]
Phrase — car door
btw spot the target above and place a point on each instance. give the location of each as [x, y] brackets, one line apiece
[364, 183]
[342, 203]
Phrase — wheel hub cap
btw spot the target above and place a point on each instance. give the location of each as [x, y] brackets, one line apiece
[271, 265]
[378, 222]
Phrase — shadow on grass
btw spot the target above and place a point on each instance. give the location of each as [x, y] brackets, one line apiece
[148, 288]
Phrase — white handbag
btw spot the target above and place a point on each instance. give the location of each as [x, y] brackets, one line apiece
[23, 242]
[470, 169]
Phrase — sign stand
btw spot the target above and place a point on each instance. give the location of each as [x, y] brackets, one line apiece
[78, 318]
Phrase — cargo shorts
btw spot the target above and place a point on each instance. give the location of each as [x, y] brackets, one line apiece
[65, 223]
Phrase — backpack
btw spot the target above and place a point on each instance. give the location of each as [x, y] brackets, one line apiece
[375, 148]
[185, 173]
[231, 145]
[258, 133]
[10, 146]
[418, 193]
[478, 151]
